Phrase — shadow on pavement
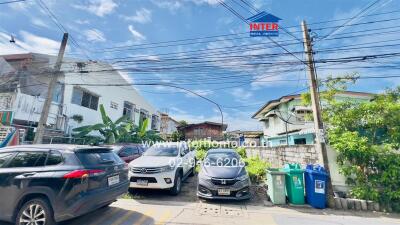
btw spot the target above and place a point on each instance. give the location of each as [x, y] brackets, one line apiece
[108, 216]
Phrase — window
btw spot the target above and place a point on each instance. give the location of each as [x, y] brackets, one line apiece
[54, 158]
[143, 115]
[282, 142]
[300, 141]
[98, 157]
[127, 152]
[113, 105]
[154, 122]
[129, 110]
[84, 98]
[28, 159]
[198, 131]
[4, 157]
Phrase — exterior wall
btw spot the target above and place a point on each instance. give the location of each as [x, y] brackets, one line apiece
[27, 102]
[28, 108]
[276, 141]
[168, 125]
[302, 154]
[275, 128]
[107, 94]
[209, 131]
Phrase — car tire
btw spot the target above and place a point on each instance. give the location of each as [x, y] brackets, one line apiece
[42, 215]
[192, 172]
[177, 184]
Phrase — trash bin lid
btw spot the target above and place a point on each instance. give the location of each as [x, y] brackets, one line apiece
[316, 169]
[293, 168]
[275, 171]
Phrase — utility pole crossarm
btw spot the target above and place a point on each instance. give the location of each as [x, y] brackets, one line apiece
[315, 102]
[53, 82]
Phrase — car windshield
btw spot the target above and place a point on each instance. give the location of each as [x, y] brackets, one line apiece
[157, 150]
[230, 159]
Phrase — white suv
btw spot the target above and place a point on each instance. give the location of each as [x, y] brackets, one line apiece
[163, 166]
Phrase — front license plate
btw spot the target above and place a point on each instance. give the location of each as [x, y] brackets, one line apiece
[142, 182]
[224, 192]
[113, 180]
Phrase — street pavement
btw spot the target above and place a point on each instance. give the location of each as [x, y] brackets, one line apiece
[145, 212]
[153, 212]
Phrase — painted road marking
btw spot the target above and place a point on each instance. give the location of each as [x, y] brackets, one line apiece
[164, 218]
[146, 215]
[125, 217]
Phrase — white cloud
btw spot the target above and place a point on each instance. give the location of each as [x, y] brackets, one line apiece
[142, 15]
[81, 22]
[40, 23]
[241, 95]
[94, 35]
[99, 7]
[136, 34]
[21, 6]
[28, 43]
[171, 5]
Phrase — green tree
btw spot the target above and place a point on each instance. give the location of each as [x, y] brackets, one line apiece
[366, 135]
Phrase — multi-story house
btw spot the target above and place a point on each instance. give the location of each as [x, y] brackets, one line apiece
[168, 126]
[82, 86]
[287, 122]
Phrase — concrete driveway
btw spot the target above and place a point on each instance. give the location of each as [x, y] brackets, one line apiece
[151, 207]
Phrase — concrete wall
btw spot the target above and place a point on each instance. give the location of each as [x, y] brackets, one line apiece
[107, 94]
[302, 154]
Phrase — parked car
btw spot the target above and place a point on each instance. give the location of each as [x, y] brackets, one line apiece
[223, 175]
[45, 184]
[129, 152]
[163, 166]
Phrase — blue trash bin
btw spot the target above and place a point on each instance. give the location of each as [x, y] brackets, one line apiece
[315, 181]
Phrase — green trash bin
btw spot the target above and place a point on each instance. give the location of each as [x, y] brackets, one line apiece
[294, 183]
[276, 186]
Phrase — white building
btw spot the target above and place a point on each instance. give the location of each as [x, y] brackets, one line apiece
[81, 88]
[168, 126]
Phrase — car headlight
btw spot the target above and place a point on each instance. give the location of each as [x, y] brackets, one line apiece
[166, 169]
[243, 175]
[204, 176]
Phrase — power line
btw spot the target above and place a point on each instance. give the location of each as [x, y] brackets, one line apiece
[57, 22]
[351, 19]
[9, 2]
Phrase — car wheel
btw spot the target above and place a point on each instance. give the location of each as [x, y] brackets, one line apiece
[177, 184]
[192, 172]
[36, 211]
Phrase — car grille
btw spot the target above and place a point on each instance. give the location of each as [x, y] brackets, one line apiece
[145, 170]
[222, 182]
[149, 179]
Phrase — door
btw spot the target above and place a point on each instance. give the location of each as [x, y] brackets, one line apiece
[186, 166]
[16, 175]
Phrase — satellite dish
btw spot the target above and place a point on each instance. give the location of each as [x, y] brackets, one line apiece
[12, 39]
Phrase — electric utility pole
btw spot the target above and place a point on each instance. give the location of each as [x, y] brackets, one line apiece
[318, 125]
[53, 82]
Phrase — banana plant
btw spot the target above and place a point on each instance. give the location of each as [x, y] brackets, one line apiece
[111, 131]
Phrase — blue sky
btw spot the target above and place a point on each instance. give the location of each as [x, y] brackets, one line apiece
[98, 25]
